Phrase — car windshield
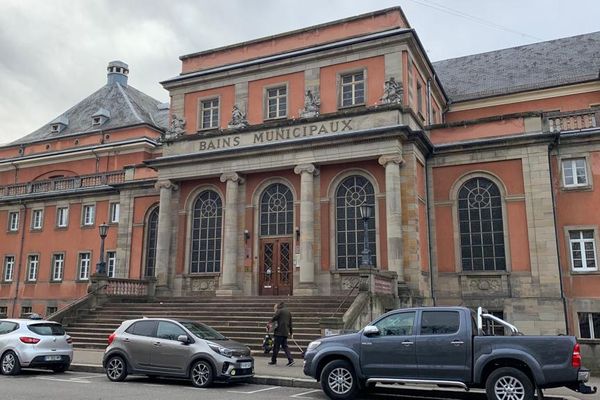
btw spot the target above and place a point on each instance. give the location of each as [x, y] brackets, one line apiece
[47, 329]
[203, 331]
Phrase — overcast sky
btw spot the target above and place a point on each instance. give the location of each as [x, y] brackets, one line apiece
[53, 53]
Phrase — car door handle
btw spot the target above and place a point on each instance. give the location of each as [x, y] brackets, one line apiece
[157, 344]
[457, 342]
[407, 343]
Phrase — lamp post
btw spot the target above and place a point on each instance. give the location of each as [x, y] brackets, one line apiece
[366, 212]
[101, 266]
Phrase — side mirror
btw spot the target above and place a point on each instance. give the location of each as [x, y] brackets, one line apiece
[183, 339]
[371, 330]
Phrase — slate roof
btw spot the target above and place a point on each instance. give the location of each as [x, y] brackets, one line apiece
[126, 106]
[534, 66]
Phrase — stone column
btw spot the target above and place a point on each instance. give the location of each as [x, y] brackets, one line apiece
[163, 240]
[307, 230]
[393, 211]
[229, 285]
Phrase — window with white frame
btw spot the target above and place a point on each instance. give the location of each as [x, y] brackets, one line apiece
[58, 266]
[583, 250]
[13, 221]
[33, 263]
[37, 219]
[277, 102]
[88, 214]
[84, 266]
[589, 325]
[114, 213]
[3, 311]
[574, 172]
[9, 268]
[111, 267]
[26, 311]
[62, 217]
[353, 89]
[51, 310]
[209, 110]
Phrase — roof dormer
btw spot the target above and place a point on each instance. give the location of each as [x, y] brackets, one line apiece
[100, 117]
[59, 124]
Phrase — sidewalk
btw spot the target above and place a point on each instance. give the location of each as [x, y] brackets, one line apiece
[280, 375]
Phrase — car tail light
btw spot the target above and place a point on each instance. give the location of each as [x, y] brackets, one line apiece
[576, 359]
[69, 339]
[111, 338]
[29, 340]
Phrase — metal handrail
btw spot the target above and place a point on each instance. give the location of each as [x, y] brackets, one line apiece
[356, 285]
[77, 301]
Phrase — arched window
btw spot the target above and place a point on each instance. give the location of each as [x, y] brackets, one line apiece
[481, 226]
[151, 235]
[276, 211]
[351, 193]
[207, 221]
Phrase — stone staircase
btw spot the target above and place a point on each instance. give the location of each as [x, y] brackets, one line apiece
[240, 318]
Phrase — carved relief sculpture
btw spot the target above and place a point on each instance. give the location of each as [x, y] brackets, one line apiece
[392, 92]
[238, 118]
[176, 128]
[312, 102]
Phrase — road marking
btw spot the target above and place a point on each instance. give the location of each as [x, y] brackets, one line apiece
[89, 377]
[63, 380]
[254, 391]
[309, 392]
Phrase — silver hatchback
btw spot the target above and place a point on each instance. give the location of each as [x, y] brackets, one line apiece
[175, 348]
[26, 343]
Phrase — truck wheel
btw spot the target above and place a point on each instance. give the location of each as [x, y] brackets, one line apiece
[509, 384]
[338, 380]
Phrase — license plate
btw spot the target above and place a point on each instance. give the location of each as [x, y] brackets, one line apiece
[245, 365]
[53, 358]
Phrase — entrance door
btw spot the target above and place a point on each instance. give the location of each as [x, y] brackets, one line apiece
[275, 266]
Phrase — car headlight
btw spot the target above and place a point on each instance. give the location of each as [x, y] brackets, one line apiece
[313, 345]
[224, 351]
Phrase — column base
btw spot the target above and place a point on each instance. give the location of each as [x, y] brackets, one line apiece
[163, 291]
[306, 289]
[228, 291]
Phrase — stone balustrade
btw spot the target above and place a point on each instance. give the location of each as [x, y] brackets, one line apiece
[126, 287]
[572, 121]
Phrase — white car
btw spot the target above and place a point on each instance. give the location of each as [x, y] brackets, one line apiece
[28, 343]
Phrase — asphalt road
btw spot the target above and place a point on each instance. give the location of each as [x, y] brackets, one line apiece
[43, 385]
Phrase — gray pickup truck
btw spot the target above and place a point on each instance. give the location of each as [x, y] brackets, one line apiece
[445, 346]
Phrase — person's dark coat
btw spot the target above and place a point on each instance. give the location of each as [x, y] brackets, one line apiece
[282, 322]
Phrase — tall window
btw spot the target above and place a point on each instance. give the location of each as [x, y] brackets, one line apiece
[84, 266]
[9, 268]
[353, 89]
[13, 221]
[351, 193]
[589, 325]
[37, 218]
[209, 110]
[114, 213]
[207, 220]
[111, 263]
[481, 227]
[419, 97]
[574, 172]
[58, 266]
[33, 262]
[62, 217]
[88, 215]
[276, 211]
[583, 250]
[277, 102]
[151, 235]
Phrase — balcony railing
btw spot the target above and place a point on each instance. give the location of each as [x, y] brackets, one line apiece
[572, 121]
[62, 184]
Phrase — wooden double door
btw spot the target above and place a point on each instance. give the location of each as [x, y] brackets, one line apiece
[276, 266]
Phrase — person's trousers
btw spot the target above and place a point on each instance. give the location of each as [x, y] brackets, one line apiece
[281, 341]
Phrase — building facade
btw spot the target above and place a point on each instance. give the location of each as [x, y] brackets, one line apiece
[479, 173]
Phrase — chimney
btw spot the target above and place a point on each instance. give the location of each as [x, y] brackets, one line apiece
[117, 73]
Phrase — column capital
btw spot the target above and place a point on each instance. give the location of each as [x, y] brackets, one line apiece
[308, 168]
[231, 176]
[166, 184]
[391, 158]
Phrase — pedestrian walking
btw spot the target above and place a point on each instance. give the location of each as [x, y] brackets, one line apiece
[281, 323]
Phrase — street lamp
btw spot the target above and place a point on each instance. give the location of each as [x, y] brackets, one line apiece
[101, 266]
[366, 212]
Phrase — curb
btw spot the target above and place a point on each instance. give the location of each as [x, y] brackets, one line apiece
[258, 379]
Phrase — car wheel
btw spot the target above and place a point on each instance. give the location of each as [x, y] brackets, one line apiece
[60, 368]
[338, 380]
[201, 374]
[509, 384]
[10, 364]
[116, 369]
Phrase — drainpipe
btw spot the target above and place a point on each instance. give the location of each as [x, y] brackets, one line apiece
[429, 241]
[554, 145]
[16, 171]
[19, 265]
